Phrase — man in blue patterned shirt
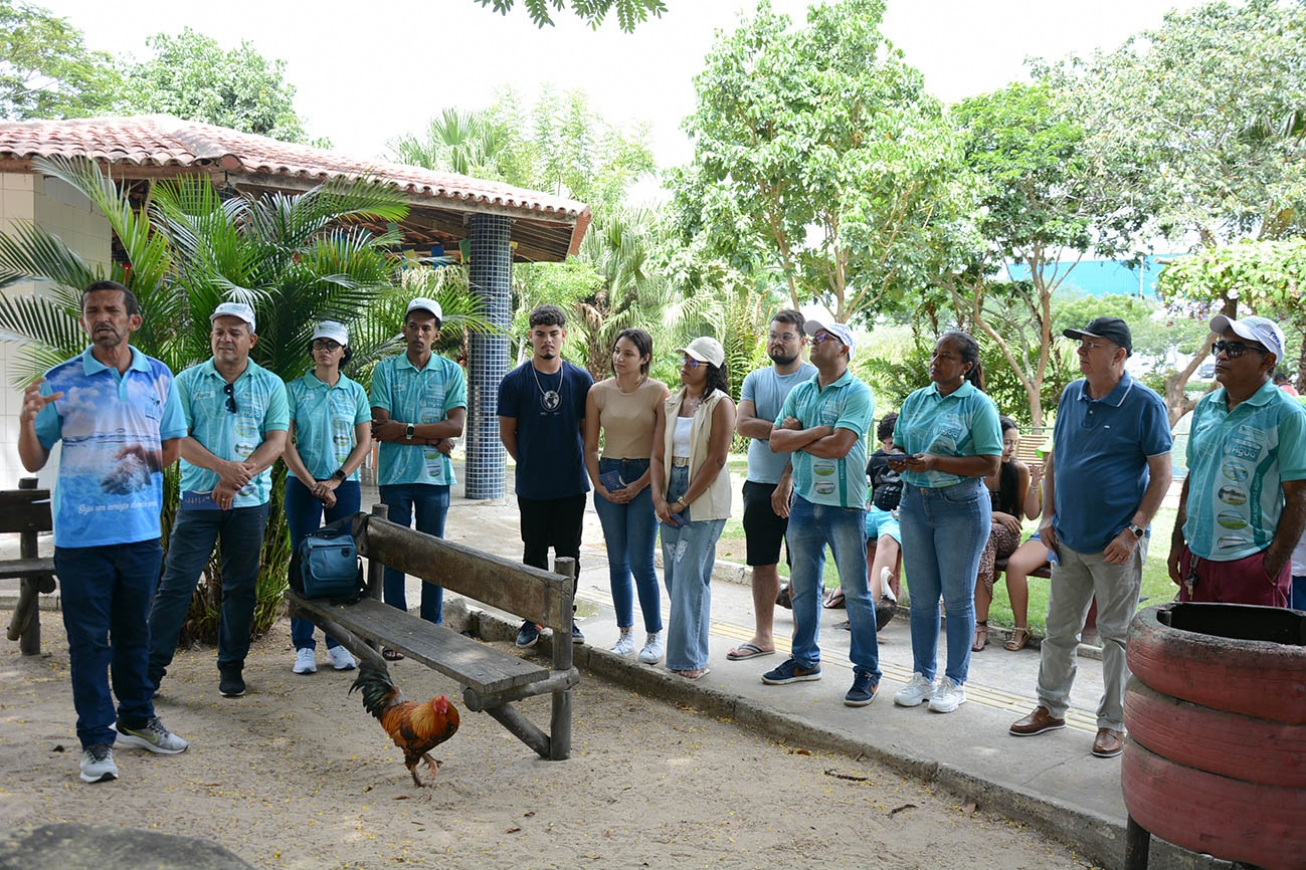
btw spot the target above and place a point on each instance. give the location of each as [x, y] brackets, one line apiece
[116, 412]
[237, 415]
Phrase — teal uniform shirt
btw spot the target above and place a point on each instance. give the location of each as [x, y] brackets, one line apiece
[413, 396]
[962, 423]
[260, 402]
[845, 404]
[105, 495]
[324, 418]
[1237, 462]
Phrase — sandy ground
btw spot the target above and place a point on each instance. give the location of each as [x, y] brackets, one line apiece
[297, 775]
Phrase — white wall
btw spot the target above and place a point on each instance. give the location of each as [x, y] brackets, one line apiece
[52, 204]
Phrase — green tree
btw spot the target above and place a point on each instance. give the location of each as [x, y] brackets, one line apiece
[192, 77]
[296, 259]
[819, 158]
[46, 71]
[630, 13]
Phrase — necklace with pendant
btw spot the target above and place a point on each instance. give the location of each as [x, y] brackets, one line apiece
[551, 399]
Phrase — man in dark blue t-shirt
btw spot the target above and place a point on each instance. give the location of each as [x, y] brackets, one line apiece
[541, 418]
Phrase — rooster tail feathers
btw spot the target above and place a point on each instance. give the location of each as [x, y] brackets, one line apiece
[379, 693]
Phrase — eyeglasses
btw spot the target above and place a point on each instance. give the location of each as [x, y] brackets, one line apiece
[822, 337]
[230, 390]
[1234, 349]
[690, 362]
[784, 336]
[325, 344]
[1092, 345]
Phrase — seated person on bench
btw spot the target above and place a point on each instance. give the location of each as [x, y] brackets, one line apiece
[1009, 490]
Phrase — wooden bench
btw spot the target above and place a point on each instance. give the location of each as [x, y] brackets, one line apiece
[26, 511]
[491, 678]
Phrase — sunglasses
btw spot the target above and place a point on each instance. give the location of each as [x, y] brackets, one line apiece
[1234, 349]
[230, 390]
[325, 344]
[690, 362]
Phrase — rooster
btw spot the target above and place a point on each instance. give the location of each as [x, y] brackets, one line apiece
[415, 728]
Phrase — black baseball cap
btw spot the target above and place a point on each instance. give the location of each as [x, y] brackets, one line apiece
[1111, 328]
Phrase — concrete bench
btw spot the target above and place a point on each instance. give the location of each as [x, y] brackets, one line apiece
[26, 512]
[491, 678]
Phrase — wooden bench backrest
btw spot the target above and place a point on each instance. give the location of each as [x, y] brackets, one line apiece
[528, 592]
[25, 510]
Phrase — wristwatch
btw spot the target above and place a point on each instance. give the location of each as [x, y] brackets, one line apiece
[681, 501]
[340, 474]
[1138, 531]
[409, 429]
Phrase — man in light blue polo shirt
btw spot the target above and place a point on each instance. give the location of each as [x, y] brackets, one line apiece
[237, 414]
[1243, 506]
[419, 404]
[1104, 480]
[117, 413]
[823, 425]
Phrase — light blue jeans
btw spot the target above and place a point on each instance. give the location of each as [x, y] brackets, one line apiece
[944, 531]
[811, 527]
[688, 554]
[630, 531]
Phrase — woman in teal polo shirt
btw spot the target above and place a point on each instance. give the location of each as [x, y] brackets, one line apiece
[950, 433]
[330, 434]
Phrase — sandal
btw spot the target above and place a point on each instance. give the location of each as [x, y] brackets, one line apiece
[981, 637]
[391, 655]
[835, 600]
[1019, 638]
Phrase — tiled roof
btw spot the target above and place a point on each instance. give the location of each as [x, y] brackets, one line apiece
[161, 140]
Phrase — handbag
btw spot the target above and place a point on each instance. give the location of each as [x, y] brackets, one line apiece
[328, 566]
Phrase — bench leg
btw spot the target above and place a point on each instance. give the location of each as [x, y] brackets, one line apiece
[25, 625]
[525, 730]
[560, 727]
[1137, 844]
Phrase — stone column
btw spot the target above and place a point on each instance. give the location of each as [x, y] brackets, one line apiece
[491, 281]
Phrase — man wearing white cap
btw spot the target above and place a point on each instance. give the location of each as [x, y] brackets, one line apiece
[1243, 506]
[823, 424]
[237, 416]
[419, 404]
[330, 435]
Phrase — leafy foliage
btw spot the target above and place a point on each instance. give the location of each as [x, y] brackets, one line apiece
[630, 13]
[192, 77]
[45, 69]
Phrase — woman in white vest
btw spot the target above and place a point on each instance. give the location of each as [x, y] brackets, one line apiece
[691, 495]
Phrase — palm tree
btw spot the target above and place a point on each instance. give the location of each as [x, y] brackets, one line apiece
[295, 259]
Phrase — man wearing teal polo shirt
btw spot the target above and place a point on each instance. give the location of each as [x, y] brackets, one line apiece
[419, 402]
[237, 416]
[823, 424]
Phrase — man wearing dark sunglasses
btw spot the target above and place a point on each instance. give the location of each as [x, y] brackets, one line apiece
[1243, 506]
[237, 415]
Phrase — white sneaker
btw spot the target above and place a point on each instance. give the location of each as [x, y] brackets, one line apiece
[886, 591]
[653, 649]
[625, 644]
[305, 661]
[97, 763]
[341, 659]
[948, 696]
[915, 693]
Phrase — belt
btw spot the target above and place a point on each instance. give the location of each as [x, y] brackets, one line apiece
[680, 461]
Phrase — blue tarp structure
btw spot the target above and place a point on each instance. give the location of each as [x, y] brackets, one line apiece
[1104, 277]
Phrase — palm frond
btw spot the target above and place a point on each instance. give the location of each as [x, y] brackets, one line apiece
[32, 252]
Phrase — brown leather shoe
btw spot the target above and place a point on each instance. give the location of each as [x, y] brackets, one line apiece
[1108, 743]
[1039, 721]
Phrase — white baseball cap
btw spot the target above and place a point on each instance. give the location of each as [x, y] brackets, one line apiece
[705, 349]
[838, 330]
[234, 309]
[421, 303]
[337, 332]
[1253, 328]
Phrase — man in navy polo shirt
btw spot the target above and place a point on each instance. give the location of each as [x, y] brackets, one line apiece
[237, 415]
[1105, 478]
[117, 413]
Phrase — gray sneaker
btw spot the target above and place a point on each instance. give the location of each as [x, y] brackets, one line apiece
[97, 763]
[152, 736]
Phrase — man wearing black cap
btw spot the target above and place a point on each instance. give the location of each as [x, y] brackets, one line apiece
[1107, 473]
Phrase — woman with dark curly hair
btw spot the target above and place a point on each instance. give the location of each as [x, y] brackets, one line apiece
[691, 495]
[1007, 493]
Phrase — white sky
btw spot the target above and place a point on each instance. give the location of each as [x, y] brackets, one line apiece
[365, 78]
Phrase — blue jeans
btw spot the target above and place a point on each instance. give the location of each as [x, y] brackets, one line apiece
[631, 531]
[1298, 599]
[106, 597]
[193, 536]
[811, 527]
[303, 515]
[688, 554]
[944, 531]
[431, 504]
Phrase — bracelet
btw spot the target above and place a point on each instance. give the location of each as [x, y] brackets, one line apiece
[681, 501]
